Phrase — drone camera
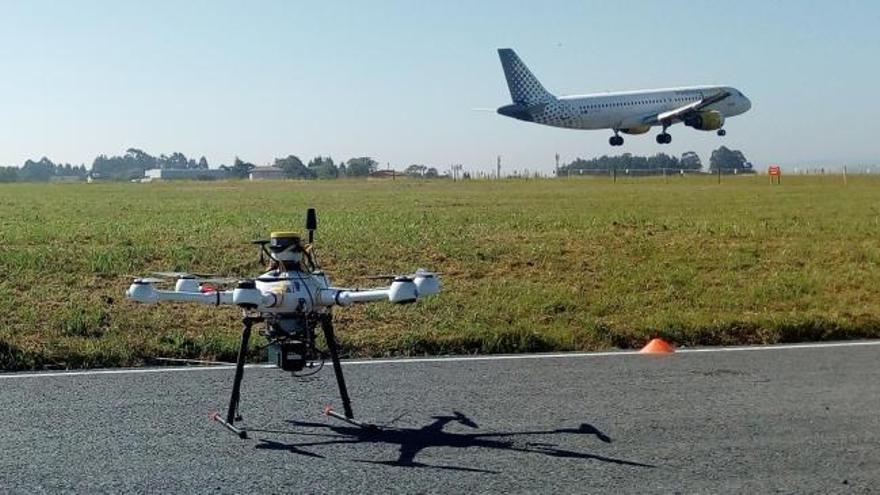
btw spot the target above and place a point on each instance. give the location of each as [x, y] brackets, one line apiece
[291, 355]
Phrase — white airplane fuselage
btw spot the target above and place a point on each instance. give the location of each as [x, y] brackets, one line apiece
[627, 109]
[632, 112]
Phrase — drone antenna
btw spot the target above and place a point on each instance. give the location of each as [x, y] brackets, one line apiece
[311, 223]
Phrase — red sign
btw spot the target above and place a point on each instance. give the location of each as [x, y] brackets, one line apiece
[774, 171]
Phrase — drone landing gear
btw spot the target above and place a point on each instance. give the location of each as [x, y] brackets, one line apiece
[232, 414]
[348, 417]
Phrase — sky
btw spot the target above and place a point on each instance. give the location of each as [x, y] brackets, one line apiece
[399, 80]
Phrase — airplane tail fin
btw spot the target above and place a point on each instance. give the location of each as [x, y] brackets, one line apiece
[525, 89]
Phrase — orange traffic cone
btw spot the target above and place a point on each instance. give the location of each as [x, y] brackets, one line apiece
[657, 346]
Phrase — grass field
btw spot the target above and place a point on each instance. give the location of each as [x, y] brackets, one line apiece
[529, 265]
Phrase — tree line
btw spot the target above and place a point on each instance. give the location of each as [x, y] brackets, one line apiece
[41, 171]
[134, 162]
[722, 158]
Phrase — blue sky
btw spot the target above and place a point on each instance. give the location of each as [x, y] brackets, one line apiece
[398, 80]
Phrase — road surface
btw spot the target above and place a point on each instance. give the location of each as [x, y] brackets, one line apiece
[796, 420]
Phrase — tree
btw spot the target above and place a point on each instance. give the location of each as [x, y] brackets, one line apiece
[126, 167]
[690, 161]
[203, 163]
[626, 162]
[415, 170]
[361, 167]
[136, 158]
[8, 174]
[37, 171]
[323, 168]
[432, 173]
[730, 160]
[240, 169]
[177, 160]
[293, 168]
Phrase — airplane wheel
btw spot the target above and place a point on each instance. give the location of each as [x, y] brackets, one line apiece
[616, 141]
[664, 138]
[722, 132]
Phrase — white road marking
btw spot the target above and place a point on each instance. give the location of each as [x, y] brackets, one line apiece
[504, 357]
[453, 359]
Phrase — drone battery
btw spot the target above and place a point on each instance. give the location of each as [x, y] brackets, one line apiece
[289, 356]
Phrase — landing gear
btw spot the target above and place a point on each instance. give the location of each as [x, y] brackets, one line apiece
[615, 140]
[664, 137]
[232, 414]
[333, 347]
[722, 132]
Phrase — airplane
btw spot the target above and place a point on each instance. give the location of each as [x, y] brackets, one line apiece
[704, 108]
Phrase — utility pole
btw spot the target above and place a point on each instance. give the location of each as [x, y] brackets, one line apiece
[498, 168]
[557, 165]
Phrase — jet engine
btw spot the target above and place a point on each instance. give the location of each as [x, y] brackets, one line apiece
[705, 121]
[639, 129]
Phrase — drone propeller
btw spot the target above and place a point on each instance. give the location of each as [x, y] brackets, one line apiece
[219, 280]
[421, 272]
[183, 275]
[380, 277]
[200, 277]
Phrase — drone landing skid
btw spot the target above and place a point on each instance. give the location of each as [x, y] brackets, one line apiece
[241, 432]
[328, 411]
[232, 414]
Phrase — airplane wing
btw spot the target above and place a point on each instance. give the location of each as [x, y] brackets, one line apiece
[677, 114]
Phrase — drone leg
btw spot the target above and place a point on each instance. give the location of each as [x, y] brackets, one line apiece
[236, 384]
[327, 327]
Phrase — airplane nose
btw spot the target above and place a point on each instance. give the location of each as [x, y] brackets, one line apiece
[747, 104]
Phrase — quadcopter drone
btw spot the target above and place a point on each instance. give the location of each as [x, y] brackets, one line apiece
[292, 299]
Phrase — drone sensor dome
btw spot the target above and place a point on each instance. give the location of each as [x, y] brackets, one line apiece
[286, 246]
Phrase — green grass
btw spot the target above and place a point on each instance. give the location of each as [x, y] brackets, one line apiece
[529, 265]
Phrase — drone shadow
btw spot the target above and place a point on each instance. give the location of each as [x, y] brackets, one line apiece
[412, 441]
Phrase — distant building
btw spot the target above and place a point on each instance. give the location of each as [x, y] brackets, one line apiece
[266, 173]
[185, 174]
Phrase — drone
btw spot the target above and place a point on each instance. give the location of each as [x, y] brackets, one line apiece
[292, 299]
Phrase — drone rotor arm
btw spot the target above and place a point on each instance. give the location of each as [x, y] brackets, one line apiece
[347, 297]
[400, 291]
[147, 294]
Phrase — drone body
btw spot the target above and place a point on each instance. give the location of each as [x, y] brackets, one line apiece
[286, 292]
[292, 298]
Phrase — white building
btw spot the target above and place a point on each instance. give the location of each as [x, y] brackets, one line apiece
[266, 173]
[185, 174]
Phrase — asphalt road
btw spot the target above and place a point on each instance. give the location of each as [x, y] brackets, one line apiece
[786, 420]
